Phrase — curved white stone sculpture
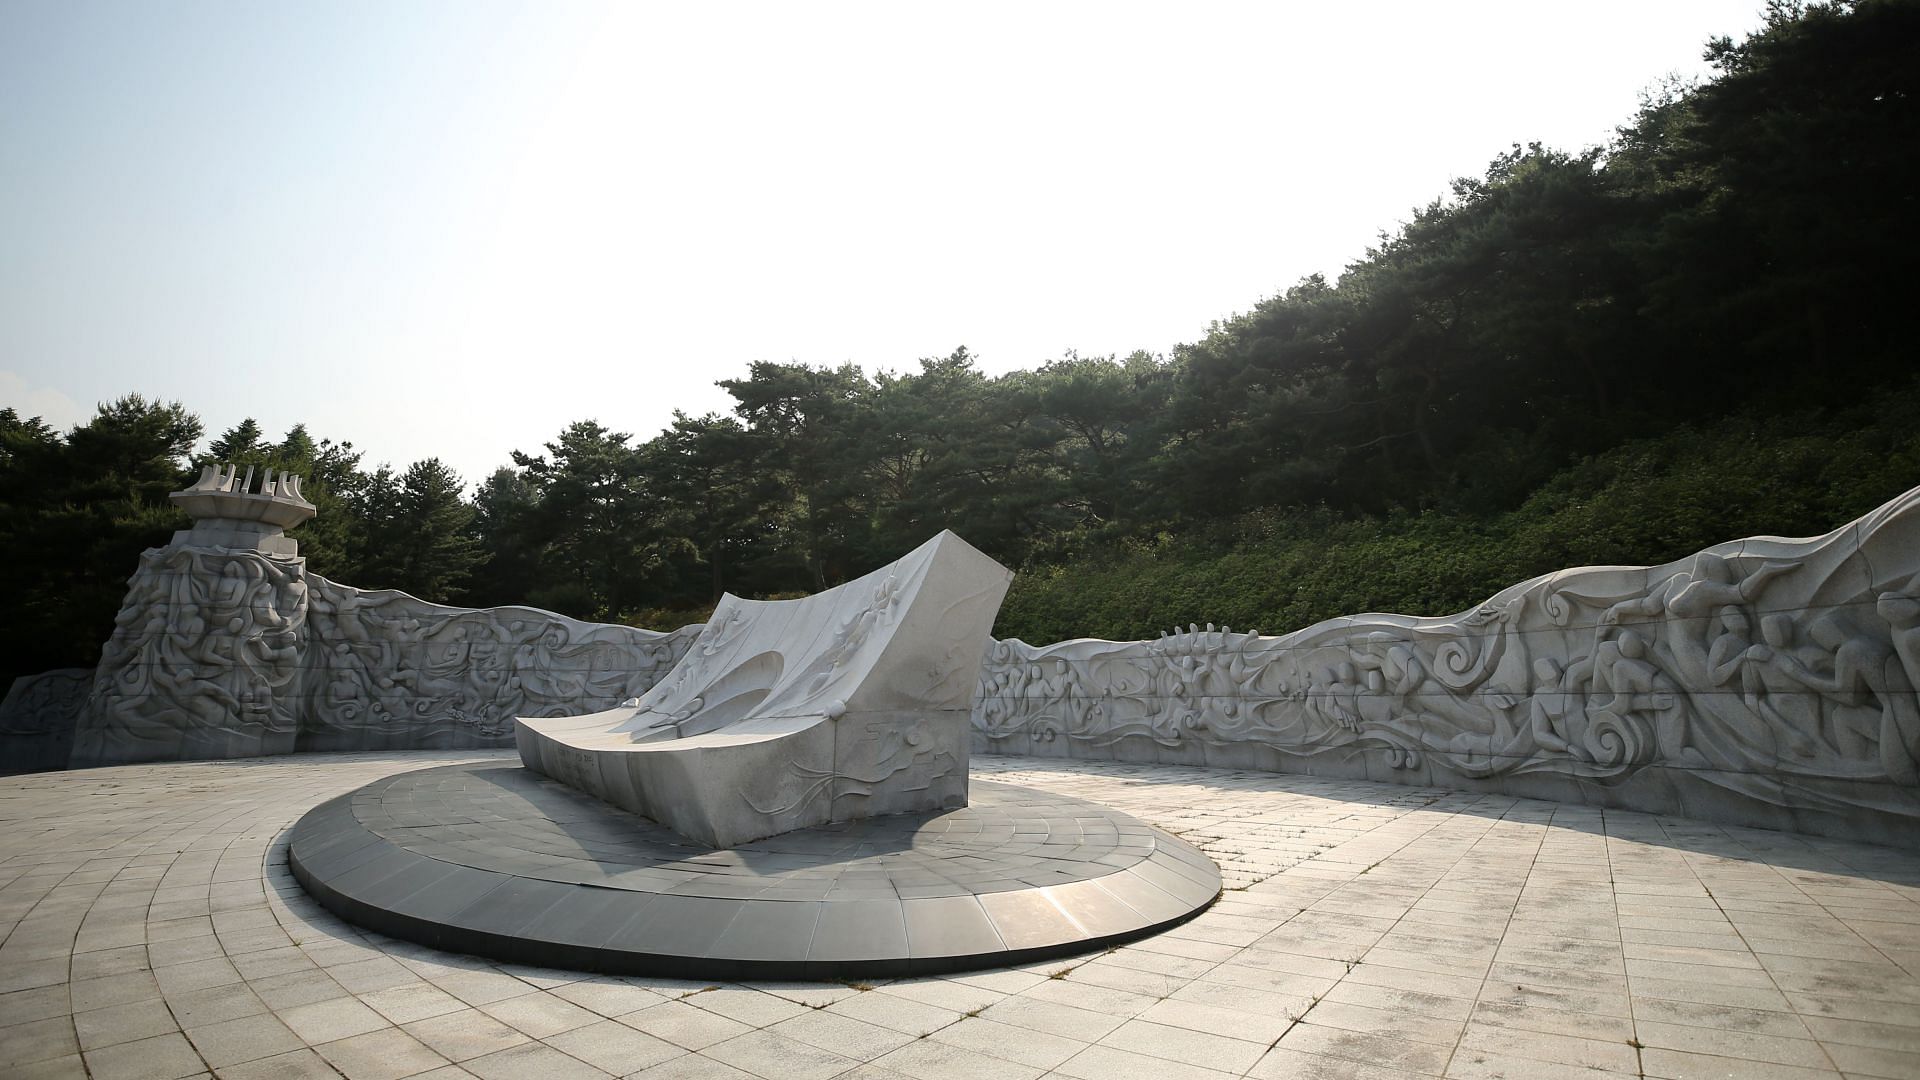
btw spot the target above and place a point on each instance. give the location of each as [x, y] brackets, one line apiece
[785, 714]
[1764, 681]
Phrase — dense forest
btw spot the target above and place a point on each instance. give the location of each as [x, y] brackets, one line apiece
[1620, 354]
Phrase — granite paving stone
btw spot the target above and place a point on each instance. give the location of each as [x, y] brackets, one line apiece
[1023, 1046]
[97, 993]
[162, 1057]
[1102, 1062]
[695, 1067]
[123, 1023]
[230, 1042]
[1220, 1052]
[750, 1007]
[926, 1059]
[71, 1067]
[153, 929]
[325, 1021]
[1485, 1065]
[540, 1014]
[532, 1060]
[609, 998]
[1080, 1026]
[386, 1054]
[37, 1040]
[23, 1006]
[294, 988]
[294, 1065]
[898, 1013]
[776, 1057]
[614, 1047]
[843, 1035]
[683, 1025]
[468, 1033]
[413, 1001]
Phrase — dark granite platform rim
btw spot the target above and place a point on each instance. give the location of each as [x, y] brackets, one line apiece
[491, 859]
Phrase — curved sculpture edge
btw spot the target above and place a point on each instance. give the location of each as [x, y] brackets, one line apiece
[1767, 681]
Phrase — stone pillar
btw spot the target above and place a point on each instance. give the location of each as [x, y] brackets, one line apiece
[205, 657]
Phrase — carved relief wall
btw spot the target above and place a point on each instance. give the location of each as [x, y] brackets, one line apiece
[1765, 681]
[222, 652]
[37, 717]
[390, 670]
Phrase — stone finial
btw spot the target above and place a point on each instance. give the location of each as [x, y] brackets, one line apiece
[230, 510]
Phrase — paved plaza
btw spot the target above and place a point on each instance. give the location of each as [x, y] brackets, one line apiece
[1369, 931]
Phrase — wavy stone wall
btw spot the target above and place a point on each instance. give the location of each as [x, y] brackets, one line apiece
[37, 718]
[1764, 681]
[226, 652]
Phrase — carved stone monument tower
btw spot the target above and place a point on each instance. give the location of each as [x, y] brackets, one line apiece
[204, 661]
[228, 646]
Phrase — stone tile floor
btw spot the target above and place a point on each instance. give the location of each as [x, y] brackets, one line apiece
[1369, 931]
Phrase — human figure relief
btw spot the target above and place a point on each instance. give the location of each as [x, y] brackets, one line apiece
[1758, 687]
[1556, 716]
[1711, 583]
[1636, 708]
[1900, 736]
[1864, 691]
[1776, 685]
[1391, 665]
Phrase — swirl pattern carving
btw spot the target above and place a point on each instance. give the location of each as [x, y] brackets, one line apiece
[227, 652]
[1766, 681]
[37, 717]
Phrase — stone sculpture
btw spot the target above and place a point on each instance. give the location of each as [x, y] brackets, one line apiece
[228, 511]
[387, 671]
[1764, 681]
[37, 718]
[785, 714]
[227, 646]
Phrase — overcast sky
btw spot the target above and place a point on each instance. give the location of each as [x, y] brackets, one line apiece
[450, 229]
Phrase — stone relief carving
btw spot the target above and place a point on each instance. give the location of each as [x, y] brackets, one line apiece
[226, 646]
[225, 654]
[917, 749]
[204, 660]
[1766, 679]
[37, 718]
[386, 661]
[36, 704]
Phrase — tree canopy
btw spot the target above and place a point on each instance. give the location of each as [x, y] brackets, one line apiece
[1600, 354]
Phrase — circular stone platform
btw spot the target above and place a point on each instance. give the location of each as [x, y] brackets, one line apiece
[495, 860]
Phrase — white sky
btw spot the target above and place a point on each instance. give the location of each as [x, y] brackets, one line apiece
[450, 229]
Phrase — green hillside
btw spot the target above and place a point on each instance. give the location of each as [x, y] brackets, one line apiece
[1615, 354]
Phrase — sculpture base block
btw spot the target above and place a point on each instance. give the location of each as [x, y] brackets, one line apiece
[498, 861]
